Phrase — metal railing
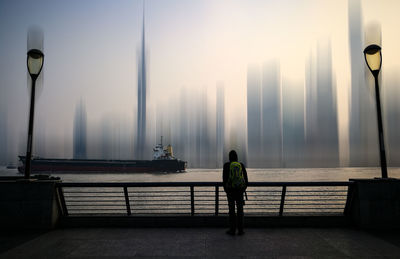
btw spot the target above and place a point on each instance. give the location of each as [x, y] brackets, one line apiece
[202, 198]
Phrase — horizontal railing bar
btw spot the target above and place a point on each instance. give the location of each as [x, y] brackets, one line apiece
[96, 201]
[344, 200]
[204, 184]
[258, 195]
[96, 196]
[140, 200]
[197, 202]
[257, 210]
[167, 195]
[96, 209]
[82, 192]
[265, 209]
[265, 191]
[188, 209]
[314, 208]
[319, 191]
[261, 204]
[249, 195]
[156, 191]
[311, 195]
[262, 200]
[160, 204]
[77, 207]
[96, 205]
[288, 204]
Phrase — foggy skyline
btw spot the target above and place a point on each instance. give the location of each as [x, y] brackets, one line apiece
[91, 53]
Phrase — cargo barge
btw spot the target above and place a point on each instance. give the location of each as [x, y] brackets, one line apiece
[163, 161]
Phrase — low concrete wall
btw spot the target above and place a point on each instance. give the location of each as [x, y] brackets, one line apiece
[28, 204]
[376, 203]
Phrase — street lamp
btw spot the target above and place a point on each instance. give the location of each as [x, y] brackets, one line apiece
[35, 63]
[373, 58]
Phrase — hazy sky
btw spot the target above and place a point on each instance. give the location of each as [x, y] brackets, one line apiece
[91, 51]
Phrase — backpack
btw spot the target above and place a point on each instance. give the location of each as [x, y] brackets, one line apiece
[236, 178]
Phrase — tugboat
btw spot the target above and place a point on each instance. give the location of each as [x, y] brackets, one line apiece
[163, 161]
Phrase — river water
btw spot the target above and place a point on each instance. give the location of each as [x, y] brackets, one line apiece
[212, 175]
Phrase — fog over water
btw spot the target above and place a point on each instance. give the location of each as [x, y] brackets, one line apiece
[283, 83]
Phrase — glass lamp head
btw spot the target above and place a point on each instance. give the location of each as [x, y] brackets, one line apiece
[35, 62]
[373, 58]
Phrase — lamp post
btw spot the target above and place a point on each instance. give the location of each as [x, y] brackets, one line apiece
[35, 64]
[373, 58]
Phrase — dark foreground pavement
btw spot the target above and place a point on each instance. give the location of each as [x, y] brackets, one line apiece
[200, 243]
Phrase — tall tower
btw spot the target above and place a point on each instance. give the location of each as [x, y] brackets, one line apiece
[141, 109]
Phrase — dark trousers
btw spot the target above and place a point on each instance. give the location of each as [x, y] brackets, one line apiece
[235, 220]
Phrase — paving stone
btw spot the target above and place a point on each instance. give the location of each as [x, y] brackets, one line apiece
[257, 243]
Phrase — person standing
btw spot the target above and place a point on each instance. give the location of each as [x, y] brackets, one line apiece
[235, 183]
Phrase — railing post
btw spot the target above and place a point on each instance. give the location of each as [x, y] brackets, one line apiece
[128, 207]
[192, 199]
[349, 199]
[282, 200]
[216, 200]
[62, 200]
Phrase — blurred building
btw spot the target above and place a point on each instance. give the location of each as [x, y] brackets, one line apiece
[220, 126]
[141, 148]
[254, 116]
[391, 115]
[363, 123]
[271, 132]
[321, 129]
[204, 136]
[182, 147]
[293, 139]
[80, 140]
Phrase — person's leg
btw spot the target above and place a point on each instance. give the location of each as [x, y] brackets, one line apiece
[240, 214]
[232, 214]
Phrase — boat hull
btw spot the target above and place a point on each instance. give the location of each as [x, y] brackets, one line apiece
[43, 165]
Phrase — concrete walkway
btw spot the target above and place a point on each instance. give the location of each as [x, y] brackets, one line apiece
[200, 243]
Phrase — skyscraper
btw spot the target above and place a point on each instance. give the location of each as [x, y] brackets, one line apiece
[321, 109]
[293, 137]
[254, 116]
[271, 133]
[80, 131]
[391, 115]
[220, 125]
[141, 108]
[204, 143]
[363, 129]
[183, 144]
[327, 121]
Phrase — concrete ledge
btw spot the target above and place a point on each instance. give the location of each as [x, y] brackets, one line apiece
[202, 221]
[376, 203]
[28, 204]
